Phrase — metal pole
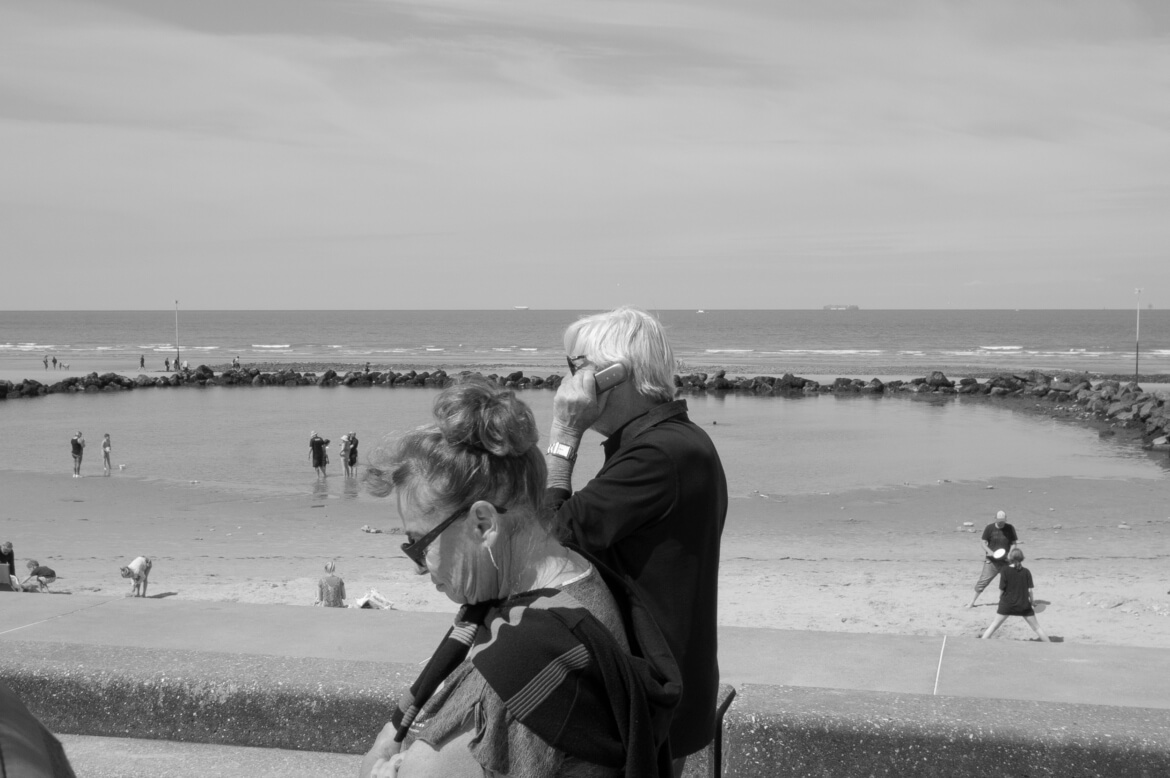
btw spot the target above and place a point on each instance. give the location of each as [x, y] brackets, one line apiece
[176, 335]
[1137, 334]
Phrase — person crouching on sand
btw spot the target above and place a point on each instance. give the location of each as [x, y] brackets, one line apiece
[43, 575]
[1015, 598]
[139, 570]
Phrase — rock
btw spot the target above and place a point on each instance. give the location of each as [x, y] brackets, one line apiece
[937, 379]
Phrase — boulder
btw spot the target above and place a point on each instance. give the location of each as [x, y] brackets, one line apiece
[936, 379]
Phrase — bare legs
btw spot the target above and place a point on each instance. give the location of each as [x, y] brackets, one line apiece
[995, 624]
[1001, 618]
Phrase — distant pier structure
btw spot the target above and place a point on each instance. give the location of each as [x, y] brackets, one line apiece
[842, 308]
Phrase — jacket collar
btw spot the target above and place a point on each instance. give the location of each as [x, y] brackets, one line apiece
[639, 424]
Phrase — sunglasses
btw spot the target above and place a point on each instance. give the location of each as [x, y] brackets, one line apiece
[417, 549]
[573, 366]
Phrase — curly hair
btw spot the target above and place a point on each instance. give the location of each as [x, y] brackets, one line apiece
[483, 445]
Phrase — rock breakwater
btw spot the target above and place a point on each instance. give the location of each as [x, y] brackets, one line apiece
[1110, 402]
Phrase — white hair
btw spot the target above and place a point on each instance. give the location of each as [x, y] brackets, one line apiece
[629, 336]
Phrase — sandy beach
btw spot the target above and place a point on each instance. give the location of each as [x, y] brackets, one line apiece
[897, 560]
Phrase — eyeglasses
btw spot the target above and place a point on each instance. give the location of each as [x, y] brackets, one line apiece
[573, 366]
[417, 549]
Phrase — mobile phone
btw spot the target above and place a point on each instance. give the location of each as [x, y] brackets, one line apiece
[610, 377]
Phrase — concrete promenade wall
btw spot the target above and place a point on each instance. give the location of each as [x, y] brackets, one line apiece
[808, 703]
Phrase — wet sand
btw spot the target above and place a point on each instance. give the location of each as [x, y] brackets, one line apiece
[897, 560]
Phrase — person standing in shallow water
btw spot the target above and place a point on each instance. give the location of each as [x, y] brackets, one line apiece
[352, 458]
[317, 453]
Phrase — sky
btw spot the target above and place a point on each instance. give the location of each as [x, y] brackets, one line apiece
[367, 154]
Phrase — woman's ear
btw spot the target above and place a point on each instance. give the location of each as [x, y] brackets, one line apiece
[486, 522]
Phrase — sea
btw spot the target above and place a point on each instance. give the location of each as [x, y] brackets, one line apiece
[256, 440]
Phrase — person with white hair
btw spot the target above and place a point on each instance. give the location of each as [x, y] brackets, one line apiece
[331, 589]
[655, 511]
[998, 540]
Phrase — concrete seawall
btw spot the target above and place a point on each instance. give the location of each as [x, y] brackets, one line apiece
[808, 704]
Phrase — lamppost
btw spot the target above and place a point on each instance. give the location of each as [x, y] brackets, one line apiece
[176, 335]
[1137, 333]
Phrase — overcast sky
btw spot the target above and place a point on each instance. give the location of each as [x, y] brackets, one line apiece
[674, 154]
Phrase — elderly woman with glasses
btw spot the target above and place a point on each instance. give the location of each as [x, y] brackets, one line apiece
[545, 672]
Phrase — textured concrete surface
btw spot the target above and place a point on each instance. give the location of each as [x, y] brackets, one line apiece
[1056, 672]
[777, 731]
[100, 757]
[204, 696]
[809, 703]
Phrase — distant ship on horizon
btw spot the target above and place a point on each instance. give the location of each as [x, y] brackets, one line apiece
[519, 307]
[841, 308]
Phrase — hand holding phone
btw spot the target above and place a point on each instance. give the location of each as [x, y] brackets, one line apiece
[610, 377]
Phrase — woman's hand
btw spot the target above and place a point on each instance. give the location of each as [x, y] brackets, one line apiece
[377, 761]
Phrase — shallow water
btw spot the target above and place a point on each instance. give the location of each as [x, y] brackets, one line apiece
[257, 439]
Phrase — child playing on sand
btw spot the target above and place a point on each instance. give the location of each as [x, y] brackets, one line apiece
[139, 570]
[1015, 599]
[44, 575]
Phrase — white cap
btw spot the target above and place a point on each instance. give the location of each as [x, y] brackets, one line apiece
[1000, 516]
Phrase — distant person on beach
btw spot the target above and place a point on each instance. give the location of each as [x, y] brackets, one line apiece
[7, 560]
[1015, 596]
[43, 575]
[656, 509]
[167, 364]
[106, 454]
[142, 361]
[236, 362]
[318, 457]
[330, 589]
[77, 444]
[550, 667]
[345, 454]
[54, 363]
[998, 539]
[139, 570]
[353, 454]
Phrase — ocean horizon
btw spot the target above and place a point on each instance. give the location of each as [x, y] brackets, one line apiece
[818, 342]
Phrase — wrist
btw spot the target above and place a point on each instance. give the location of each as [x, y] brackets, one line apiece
[565, 433]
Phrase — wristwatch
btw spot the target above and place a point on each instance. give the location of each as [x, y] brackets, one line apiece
[562, 450]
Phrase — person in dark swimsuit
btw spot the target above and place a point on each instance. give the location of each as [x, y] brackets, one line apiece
[317, 454]
[1015, 598]
[351, 462]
